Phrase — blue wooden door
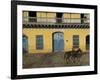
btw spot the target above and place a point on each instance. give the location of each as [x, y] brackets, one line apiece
[25, 44]
[58, 42]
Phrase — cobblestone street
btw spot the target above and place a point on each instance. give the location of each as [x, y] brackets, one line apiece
[52, 60]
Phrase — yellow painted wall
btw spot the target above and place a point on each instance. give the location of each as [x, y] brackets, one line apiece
[53, 15]
[46, 17]
[75, 15]
[42, 14]
[71, 15]
[66, 15]
[47, 35]
[25, 15]
[46, 14]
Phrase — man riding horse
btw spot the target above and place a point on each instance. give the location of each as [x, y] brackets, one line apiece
[73, 55]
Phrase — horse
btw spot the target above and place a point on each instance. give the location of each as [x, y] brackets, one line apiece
[73, 55]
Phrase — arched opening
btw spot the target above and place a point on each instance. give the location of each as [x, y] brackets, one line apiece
[58, 41]
[87, 42]
[25, 44]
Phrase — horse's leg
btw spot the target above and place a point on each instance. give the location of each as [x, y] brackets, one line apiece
[79, 59]
[72, 60]
[76, 60]
[66, 58]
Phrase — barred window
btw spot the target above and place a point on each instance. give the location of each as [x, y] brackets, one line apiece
[75, 41]
[39, 42]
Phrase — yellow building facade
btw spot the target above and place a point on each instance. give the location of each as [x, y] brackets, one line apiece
[46, 32]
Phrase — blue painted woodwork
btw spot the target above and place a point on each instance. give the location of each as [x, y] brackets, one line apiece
[58, 42]
[25, 44]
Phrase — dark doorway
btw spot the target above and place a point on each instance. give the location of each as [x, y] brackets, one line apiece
[59, 17]
[32, 16]
[82, 18]
[87, 42]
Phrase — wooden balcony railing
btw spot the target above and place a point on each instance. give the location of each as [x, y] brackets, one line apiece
[28, 20]
[33, 22]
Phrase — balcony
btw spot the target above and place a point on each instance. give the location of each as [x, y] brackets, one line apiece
[33, 22]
